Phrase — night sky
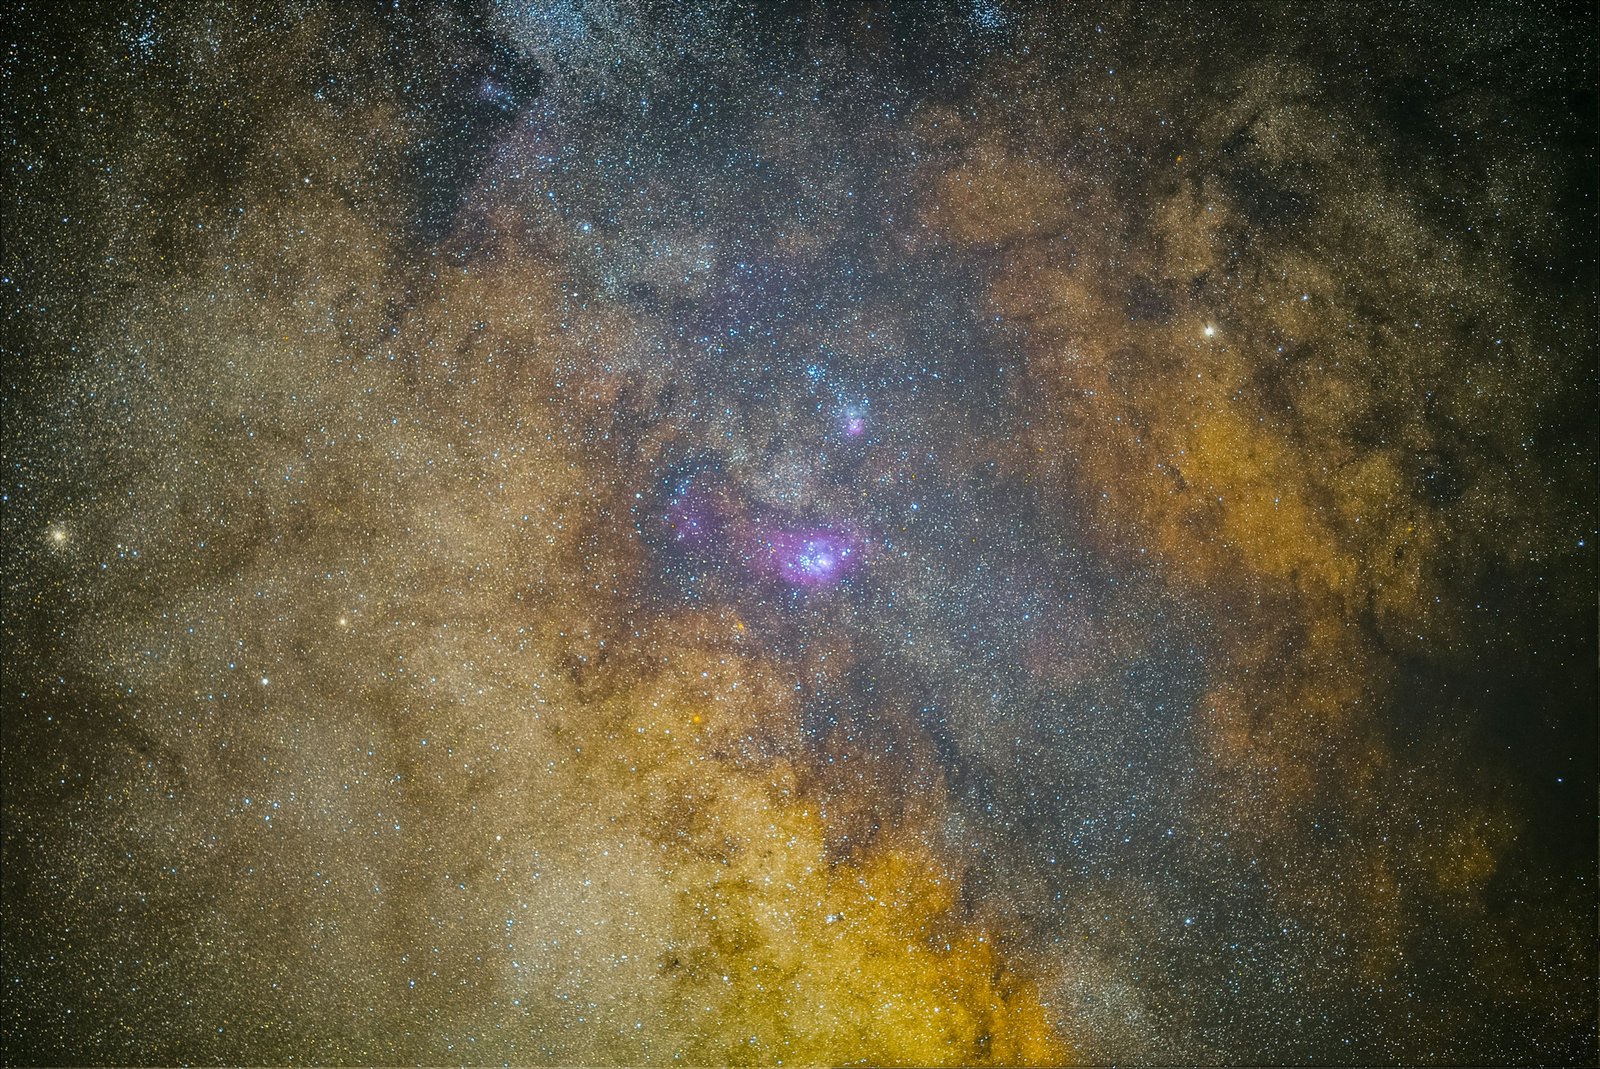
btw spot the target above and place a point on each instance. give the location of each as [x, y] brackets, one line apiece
[652, 533]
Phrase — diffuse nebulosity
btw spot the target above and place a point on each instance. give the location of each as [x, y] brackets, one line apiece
[588, 533]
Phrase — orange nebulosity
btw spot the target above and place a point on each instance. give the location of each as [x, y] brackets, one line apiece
[1208, 461]
[995, 197]
[801, 950]
[590, 813]
[1208, 404]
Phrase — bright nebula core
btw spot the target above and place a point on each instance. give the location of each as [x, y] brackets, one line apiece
[902, 532]
[816, 558]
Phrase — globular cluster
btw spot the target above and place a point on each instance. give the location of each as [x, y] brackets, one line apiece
[957, 533]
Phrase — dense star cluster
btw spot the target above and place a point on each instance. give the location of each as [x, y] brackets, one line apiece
[594, 532]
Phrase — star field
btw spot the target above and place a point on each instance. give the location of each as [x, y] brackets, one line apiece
[709, 534]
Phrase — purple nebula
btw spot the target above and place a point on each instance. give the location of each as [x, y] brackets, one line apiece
[855, 426]
[812, 557]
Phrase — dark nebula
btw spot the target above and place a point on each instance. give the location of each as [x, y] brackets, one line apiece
[977, 532]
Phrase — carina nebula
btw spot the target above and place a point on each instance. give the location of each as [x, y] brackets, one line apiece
[626, 533]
